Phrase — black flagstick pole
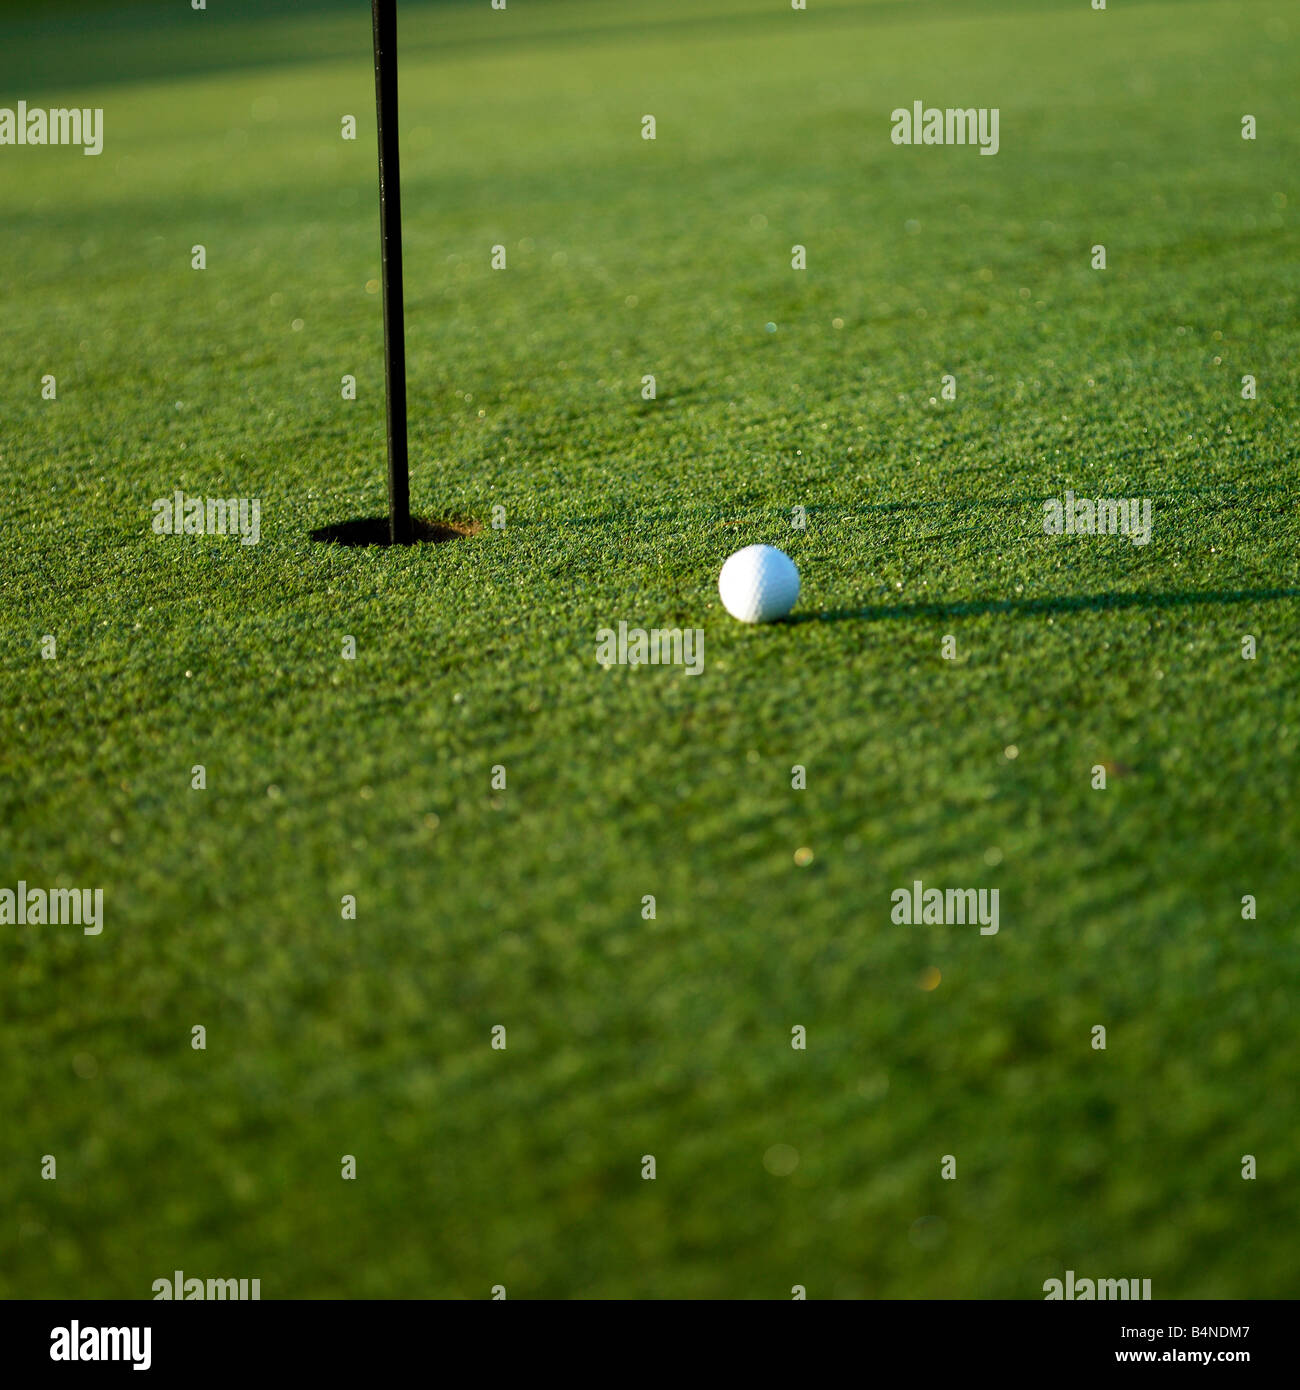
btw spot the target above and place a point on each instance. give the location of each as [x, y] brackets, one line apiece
[390, 236]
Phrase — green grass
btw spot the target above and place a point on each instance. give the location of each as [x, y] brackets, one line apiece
[522, 907]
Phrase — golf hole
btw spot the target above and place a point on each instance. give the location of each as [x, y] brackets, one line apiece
[373, 530]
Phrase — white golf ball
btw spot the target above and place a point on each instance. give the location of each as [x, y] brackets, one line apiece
[758, 584]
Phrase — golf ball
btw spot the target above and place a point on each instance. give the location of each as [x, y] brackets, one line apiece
[758, 584]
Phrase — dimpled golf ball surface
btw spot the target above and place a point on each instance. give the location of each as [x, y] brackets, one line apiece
[758, 584]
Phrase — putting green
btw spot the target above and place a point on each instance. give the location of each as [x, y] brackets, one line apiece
[523, 906]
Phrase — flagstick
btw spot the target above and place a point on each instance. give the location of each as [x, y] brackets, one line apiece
[390, 236]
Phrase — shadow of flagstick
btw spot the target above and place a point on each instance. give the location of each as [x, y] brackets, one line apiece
[1083, 603]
